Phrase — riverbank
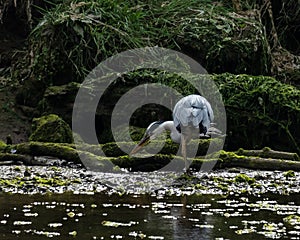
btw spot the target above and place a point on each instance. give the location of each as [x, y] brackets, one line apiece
[76, 180]
[14, 124]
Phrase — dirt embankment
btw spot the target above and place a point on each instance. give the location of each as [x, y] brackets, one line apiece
[14, 124]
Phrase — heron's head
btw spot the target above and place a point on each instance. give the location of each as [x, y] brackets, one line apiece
[151, 133]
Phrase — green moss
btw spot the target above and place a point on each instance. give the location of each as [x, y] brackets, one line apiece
[244, 178]
[2, 145]
[135, 133]
[49, 181]
[59, 100]
[55, 169]
[36, 181]
[143, 163]
[169, 147]
[62, 90]
[200, 186]
[289, 174]
[59, 150]
[257, 185]
[77, 180]
[112, 149]
[223, 187]
[266, 149]
[51, 128]
[261, 111]
[17, 169]
[218, 179]
[226, 156]
[292, 220]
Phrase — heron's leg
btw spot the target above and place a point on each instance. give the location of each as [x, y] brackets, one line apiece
[183, 151]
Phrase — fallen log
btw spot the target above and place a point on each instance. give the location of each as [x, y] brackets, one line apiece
[268, 153]
[263, 164]
[114, 149]
[25, 153]
[16, 158]
[230, 159]
[58, 150]
[91, 156]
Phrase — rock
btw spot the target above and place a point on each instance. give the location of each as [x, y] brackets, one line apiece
[51, 128]
[59, 100]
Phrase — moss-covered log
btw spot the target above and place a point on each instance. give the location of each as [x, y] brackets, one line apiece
[60, 151]
[226, 160]
[114, 149]
[259, 163]
[268, 153]
[93, 158]
[9, 158]
[143, 163]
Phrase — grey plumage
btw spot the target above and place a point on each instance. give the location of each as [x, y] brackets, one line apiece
[193, 110]
[192, 117]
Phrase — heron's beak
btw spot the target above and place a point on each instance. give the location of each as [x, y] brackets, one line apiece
[142, 143]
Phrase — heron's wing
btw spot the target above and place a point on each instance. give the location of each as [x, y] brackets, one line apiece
[193, 109]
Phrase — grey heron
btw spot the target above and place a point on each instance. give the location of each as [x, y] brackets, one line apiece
[192, 117]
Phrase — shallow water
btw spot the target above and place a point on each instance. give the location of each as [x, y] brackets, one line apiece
[103, 216]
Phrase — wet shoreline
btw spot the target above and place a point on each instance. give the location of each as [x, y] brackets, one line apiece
[57, 179]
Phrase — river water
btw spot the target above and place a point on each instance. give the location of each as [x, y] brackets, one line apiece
[199, 211]
[98, 216]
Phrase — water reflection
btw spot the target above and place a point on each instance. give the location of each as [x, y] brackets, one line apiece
[102, 216]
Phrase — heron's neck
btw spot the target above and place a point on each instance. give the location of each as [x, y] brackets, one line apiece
[175, 135]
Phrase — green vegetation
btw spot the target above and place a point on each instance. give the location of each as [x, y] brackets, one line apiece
[259, 110]
[244, 178]
[75, 36]
[51, 128]
[109, 157]
[37, 181]
[292, 220]
[2, 145]
[61, 151]
[289, 174]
